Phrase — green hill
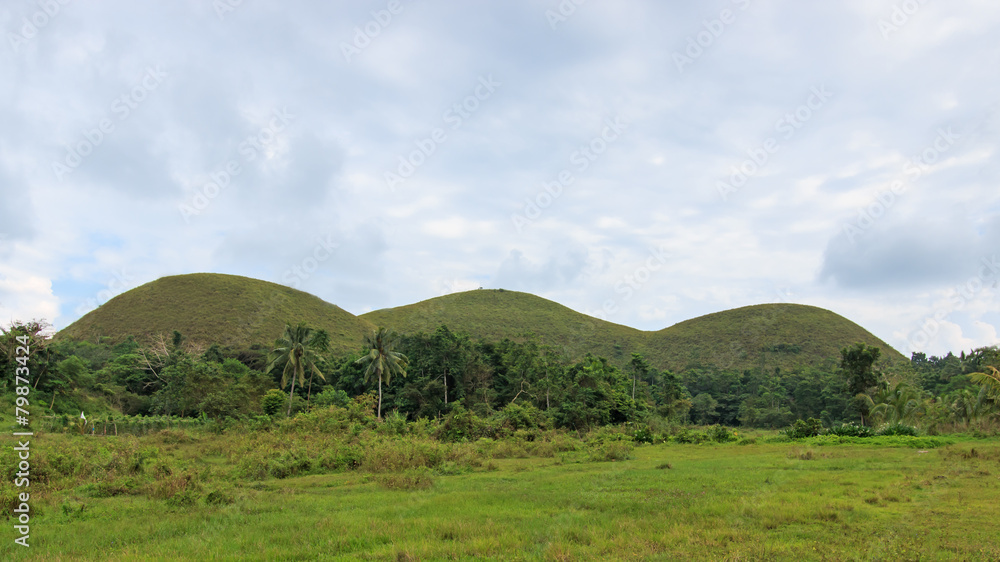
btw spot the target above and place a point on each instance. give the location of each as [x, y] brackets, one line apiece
[216, 308]
[494, 314]
[768, 335]
[765, 335]
[238, 311]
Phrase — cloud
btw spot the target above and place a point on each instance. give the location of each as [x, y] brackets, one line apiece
[558, 270]
[448, 226]
[907, 255]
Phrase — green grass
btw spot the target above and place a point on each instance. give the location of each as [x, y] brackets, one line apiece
[240, 311]
[791, 501]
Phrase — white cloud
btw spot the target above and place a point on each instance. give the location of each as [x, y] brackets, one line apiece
[447, 226]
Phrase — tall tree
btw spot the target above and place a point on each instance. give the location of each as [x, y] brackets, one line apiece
[381, 360]
[296, 352]
[857, 363]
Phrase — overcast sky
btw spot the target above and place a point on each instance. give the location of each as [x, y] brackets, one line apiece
[641, 161]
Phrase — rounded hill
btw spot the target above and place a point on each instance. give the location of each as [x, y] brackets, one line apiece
[761, 336]
[494, 314]
[216, 308]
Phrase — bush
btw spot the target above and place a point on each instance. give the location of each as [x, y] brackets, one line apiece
[852, 430]
[413, 479]
[610, 451]
[272, 401]
[690, 436]
[642, 435]
[519, 417]
[331, 397]
[898, 429]
[462, 425]
[218, 497]
[721, 434]
[805, 428]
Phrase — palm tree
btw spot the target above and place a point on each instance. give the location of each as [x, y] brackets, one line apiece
[989, 380]
[901, 404]
[381, 360]
[295, 352]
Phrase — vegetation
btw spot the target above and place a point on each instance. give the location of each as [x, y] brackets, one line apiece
[383, 361]
[335, 482]
[610, 452]
[211, 308]
[296, 352]
[238, 313]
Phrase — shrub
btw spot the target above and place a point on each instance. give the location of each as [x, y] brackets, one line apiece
[852, 430]
[462, 425]
[272, 401]
[690, 436]
[415, 479]
[805, 428]
[642, 434]
[394, 423]
[520, 417]
[331, 397]
[218, 497]
[721, 434]
[610, 451]
[898, 429]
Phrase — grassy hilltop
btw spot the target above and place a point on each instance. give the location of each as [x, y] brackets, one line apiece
[494, 314]
[239, 312]
[216, 308]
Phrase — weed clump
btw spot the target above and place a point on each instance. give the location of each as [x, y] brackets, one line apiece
[415, 479]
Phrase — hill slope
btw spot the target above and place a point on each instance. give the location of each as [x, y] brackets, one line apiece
[216, 308]
[494, 314]
[239, 311]
[765, 335]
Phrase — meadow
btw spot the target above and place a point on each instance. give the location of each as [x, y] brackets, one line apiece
[331, 485]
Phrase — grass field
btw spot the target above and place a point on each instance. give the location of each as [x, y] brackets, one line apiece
[801, 500]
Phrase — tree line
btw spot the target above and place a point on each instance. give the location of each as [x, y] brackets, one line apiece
[437, 374]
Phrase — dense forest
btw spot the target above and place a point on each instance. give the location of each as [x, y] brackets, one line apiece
[445, 374]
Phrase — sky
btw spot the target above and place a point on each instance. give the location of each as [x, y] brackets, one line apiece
[642, 161]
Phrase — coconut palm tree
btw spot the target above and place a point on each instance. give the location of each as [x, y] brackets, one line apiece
[296, 352]
[381, 360]
[990, 380]
[901, 404]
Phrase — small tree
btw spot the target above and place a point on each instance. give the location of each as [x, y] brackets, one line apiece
[271, 401]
